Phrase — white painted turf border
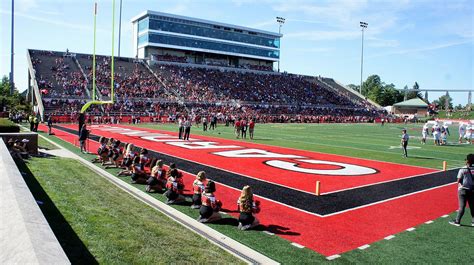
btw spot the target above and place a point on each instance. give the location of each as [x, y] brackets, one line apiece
[228, 244]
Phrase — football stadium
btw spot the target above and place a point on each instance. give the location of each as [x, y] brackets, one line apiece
[202, 145]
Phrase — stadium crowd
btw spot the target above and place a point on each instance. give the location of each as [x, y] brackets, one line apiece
[176, 90]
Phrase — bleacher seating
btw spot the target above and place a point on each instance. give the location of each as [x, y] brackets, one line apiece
[175, 88]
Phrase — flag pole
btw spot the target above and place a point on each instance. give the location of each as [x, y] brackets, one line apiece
[93, 54]
[112, 59]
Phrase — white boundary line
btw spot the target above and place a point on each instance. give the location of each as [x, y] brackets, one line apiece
[366, 246]
[315, 214]
[333, 257]
[390, 237]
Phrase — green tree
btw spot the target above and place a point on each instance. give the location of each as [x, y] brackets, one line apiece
[441, 102]
[379, 92]
[390, 95]
[13, 102]
[414, 94]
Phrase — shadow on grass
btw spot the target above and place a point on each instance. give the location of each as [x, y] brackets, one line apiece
[421, 157]
[72, 245]
[276, 229]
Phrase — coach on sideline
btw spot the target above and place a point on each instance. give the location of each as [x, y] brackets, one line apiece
[465, 190]
[404, 142]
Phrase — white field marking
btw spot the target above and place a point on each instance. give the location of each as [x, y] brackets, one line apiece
[364, 247]
[389, 237]
[399, 147]
[333, 257]
[297, 245]
[298, 209]
[411, 229]
[349, 157]
[429, 222]
[444, 216]
[381, 182]
[355, 148]
[268, 232]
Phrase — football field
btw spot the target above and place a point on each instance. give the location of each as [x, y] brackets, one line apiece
[363, 176]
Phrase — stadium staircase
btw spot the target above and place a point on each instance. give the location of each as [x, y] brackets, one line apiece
[350, 93]
[36, 92]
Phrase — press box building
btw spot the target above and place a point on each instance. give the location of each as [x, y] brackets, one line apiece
[202, 41]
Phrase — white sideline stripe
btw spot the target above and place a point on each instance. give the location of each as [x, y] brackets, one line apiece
[444, 216]
[411, 229]
[268, 232]
[297, 245]
[179, 217]
[389, 237]
[333, 257]
[381, 182]
[298, 209]
[364, 247]
[429, 222]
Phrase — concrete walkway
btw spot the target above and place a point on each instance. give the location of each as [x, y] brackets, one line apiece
[228, 244]
[25, 235]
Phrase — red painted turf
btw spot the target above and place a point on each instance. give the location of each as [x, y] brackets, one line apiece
[255, 167]
[341, 232]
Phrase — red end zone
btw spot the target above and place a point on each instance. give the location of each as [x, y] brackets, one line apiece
[330, 235]
[297, 169]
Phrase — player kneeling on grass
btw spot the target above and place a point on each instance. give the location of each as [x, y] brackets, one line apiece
[247, 207]
[465, 190]
[210, 206]
[127, 161]
[174, 186]
[102, 151]
[157, 181]
[116, 155]
[138, 172]
[198, 188]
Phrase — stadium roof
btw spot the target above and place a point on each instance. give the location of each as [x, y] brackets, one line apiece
[414, 102]
[149, 12]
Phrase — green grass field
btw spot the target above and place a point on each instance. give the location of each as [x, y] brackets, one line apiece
[434, 243]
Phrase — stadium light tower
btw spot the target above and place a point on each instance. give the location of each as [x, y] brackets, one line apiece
[120, 28]
[12, 59]
[280, 21]
[363, 26]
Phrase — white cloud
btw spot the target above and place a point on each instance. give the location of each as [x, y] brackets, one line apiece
[177, 9]
[56, 22]
[423, 49]
[318, 35]
[313, 50]
[263, 24]
[382, 43]
[25, 5]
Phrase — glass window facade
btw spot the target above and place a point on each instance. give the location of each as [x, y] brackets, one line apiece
[209, 45]
[143, 39]
[213, 31]
[143, 24]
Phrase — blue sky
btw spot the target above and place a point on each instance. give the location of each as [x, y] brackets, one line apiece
[431, 42]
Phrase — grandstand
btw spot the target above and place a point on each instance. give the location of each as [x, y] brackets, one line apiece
[64, 80]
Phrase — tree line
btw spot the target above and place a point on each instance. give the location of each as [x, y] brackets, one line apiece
[387, 94]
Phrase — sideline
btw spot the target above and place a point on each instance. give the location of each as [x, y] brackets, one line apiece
[228, 244]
